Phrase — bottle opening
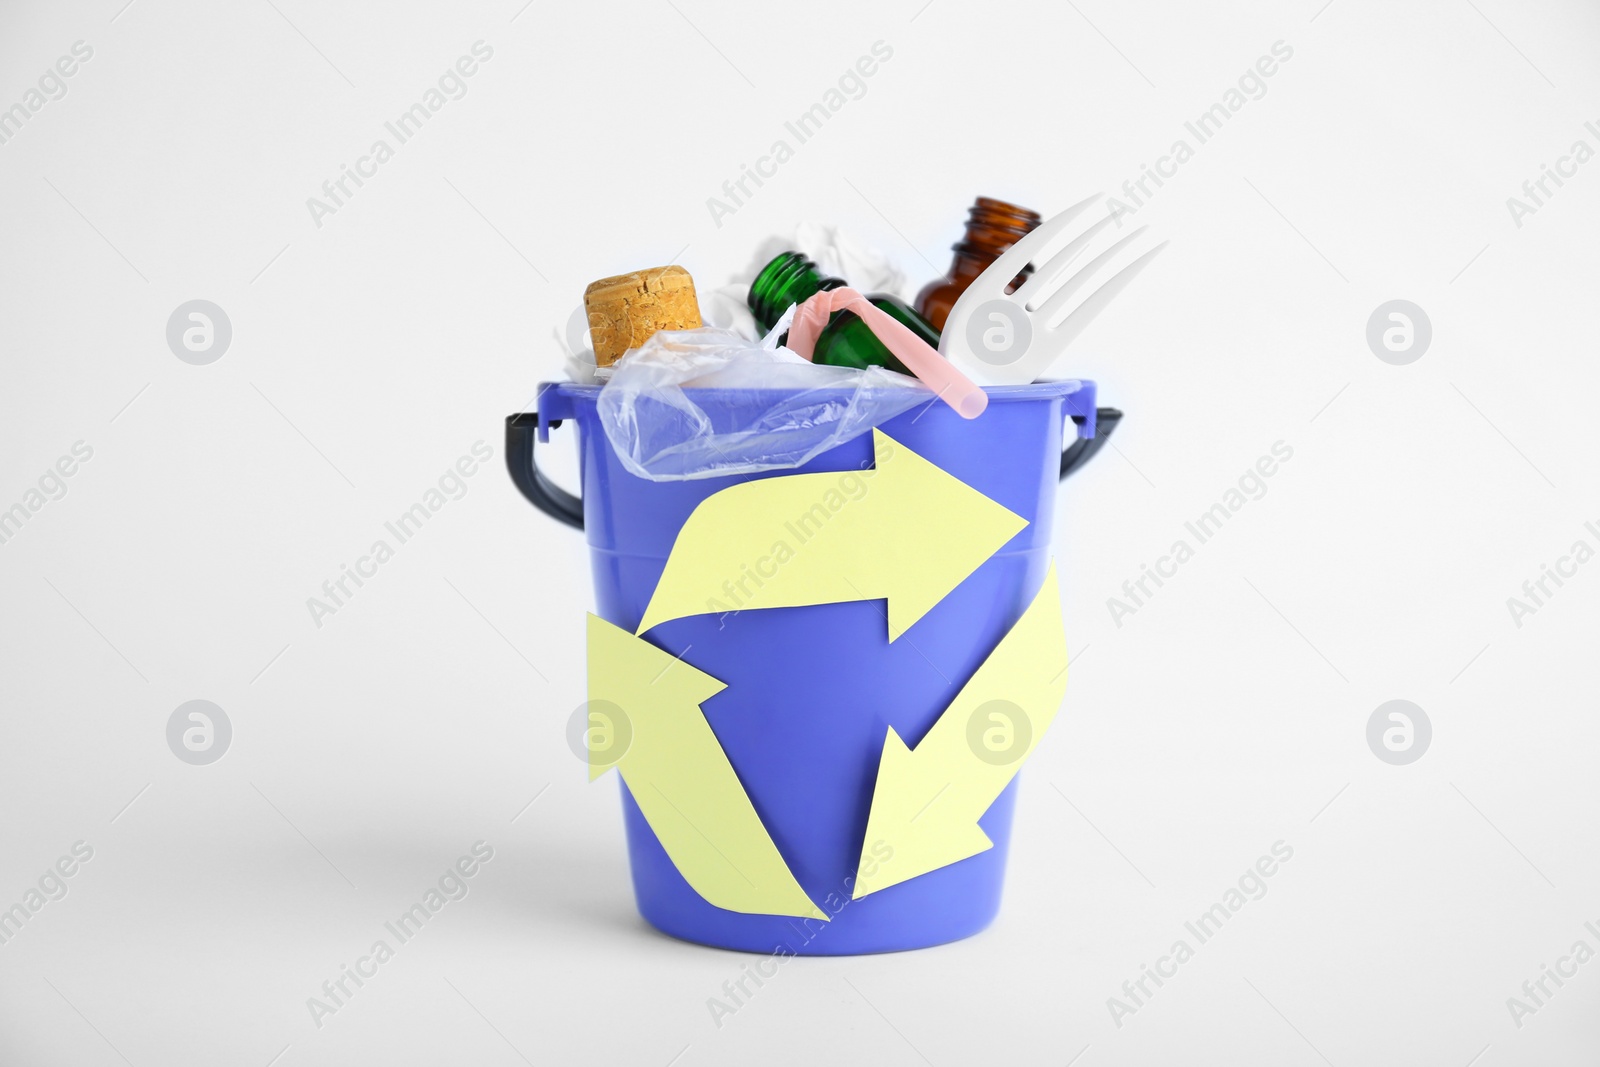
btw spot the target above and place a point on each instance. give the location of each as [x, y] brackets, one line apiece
[993, 226]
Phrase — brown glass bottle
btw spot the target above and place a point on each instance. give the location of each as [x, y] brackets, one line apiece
[992, 227]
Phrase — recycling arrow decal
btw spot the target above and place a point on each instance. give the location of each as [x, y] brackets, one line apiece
[894, 540]
[928, 801]
[682, 780]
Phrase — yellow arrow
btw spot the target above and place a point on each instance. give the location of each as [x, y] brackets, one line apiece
[676, 770]
[926, 804]
[905, 530]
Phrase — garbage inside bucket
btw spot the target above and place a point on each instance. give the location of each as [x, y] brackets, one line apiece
[660, 431]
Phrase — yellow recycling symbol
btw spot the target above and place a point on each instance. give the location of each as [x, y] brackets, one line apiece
[927, 800]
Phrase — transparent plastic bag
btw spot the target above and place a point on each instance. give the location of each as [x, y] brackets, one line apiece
[772, 410]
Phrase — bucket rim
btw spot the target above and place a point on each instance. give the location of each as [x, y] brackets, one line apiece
[1045, 390]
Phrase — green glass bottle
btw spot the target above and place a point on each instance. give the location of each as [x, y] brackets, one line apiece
[846, 341]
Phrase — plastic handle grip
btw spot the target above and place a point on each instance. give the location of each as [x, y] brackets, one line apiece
[1083, 449]
[521, 441]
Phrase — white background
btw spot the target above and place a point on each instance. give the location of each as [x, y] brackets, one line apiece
[369, 354]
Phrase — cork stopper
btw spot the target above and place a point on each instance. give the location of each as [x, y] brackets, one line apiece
[627, 310]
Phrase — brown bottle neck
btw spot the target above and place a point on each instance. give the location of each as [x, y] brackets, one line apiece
[992, 227]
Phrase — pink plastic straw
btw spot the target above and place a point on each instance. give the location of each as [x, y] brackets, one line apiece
[936, 372]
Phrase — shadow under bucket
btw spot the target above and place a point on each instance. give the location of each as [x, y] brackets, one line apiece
[812, 690]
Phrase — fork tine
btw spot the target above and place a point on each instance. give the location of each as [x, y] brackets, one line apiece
[1100, 299]
[1047, 311]
[1034, 244]
[1047, 274]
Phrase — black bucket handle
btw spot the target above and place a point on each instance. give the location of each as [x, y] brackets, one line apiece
[1083, 449]
[522, 437]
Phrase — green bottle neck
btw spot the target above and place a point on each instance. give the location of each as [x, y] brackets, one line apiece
[789, 279]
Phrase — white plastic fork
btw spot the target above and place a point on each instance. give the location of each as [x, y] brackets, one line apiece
[1011, 339]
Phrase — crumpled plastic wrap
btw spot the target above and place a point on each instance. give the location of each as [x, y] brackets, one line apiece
[660, 432]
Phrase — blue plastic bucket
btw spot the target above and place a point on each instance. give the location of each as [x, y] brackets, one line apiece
[811, 690]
